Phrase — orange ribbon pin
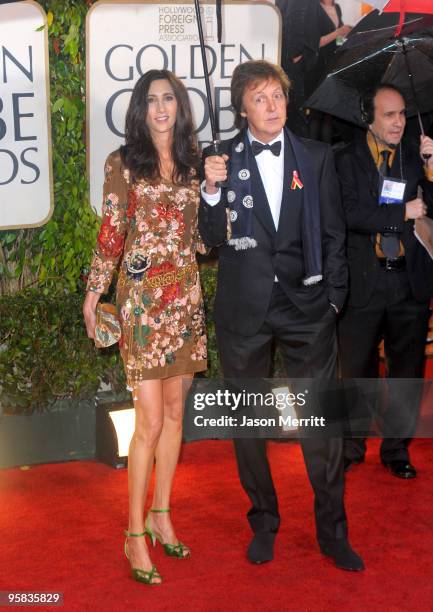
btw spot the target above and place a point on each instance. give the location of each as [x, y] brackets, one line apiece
[296, 181]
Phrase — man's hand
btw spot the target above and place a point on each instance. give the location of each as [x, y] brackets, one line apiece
[215, 171]
[415, 209]
[426, 148]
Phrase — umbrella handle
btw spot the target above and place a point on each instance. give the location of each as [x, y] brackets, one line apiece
[216, 146]
[425, 156]
[217, 151]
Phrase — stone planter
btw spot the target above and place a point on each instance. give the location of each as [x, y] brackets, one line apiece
[65, 432]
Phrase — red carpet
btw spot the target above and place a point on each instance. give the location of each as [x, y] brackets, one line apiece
[61, 529]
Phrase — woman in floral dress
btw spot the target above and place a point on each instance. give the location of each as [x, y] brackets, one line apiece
[149, 227]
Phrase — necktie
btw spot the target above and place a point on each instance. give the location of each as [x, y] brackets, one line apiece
[258, 147]
[384, 164]
[389, 243]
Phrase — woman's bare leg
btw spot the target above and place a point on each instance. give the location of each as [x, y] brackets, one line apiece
[167, 453]
[149, 419]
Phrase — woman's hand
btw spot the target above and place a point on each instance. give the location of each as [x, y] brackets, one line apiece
[343, 31]
[340, 32]
[89, 312]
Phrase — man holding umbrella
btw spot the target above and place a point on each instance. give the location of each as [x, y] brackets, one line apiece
[391, 274]
[282, 276]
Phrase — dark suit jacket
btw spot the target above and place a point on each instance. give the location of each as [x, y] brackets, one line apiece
[246, 278]
[359, 182]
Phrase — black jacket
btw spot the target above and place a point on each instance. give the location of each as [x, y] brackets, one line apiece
[359, 182]
[246, 278]
[326, 54]
[301, 32]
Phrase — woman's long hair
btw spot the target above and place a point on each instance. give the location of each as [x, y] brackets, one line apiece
[139, 153]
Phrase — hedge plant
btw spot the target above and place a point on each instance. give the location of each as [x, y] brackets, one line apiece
[45, 353]
[53, 257]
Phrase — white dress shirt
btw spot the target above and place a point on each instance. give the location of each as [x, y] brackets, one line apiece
[271, 169]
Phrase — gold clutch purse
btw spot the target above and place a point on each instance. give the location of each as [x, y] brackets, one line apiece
[108, 329]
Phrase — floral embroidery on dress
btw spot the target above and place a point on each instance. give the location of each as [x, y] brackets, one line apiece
[151, 230]
[110, 242]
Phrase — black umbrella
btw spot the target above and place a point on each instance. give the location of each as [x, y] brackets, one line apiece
[212, 118]
[377, 24]
[371, 57]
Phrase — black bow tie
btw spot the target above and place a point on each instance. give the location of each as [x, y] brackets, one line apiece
[258, 147]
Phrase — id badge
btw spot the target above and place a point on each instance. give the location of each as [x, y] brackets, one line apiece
[392, 191]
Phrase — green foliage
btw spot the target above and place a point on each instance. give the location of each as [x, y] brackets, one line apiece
[44, 351]
[53, 257]
[45, 354]
[208, 276]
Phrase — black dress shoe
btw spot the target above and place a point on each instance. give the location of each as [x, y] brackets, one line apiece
[401, 469]
[261, 548]
[349, 463]
[343, 555]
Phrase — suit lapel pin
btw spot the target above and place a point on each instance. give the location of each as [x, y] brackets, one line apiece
[296, 181]
[231, 196]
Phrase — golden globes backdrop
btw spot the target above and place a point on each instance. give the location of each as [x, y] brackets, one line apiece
[126, 38]
[25, 136]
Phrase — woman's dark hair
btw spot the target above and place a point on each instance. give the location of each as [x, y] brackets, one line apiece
[250, 74]
[139, 154]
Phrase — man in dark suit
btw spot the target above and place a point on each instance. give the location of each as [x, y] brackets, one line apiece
[282, 275]
[391, 274]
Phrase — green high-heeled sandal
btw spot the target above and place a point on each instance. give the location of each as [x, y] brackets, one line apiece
[138, 574]
[179, 550]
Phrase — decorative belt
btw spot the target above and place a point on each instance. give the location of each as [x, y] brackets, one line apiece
[394, 265]
[169, 278]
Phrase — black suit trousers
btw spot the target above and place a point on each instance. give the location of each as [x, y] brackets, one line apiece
[393, 314]
[309, 350]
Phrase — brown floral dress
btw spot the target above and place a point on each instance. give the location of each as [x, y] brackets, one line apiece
[152, 229]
